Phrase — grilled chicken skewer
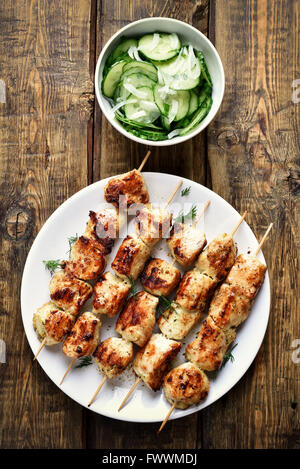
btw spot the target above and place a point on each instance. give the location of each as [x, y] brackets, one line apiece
[87, 261]
[197, 286]
[195, 290]
[112, 289]
[186, 242]
[160, 277]
[127, 189]
[207, 351]
[152, 361]
[83, 339]
[136, 322]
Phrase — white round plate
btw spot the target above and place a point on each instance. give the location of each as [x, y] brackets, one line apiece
[51, 243]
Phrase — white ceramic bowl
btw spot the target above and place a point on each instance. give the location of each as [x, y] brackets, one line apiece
[190, 35]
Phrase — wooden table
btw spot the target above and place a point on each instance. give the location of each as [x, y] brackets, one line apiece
[55, 141]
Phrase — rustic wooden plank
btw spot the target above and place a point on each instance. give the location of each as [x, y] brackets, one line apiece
[253, 152]
[49, 96]
[114, 154]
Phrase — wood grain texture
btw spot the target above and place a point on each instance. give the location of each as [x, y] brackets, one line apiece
[54, 141]
[253, 152]
[44, 63]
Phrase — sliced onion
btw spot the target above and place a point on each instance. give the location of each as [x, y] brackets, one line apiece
[174, 40]
[134, 54]
[164, 91]
[194, 69]
[133, 90]
[174, 133]
[154, 42]
[138, 114]
[121, 104]
[160, 77]
[173, 110]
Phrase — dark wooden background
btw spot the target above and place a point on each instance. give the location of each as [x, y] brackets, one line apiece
[54, 141]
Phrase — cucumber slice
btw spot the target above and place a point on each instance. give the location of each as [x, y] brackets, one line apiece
[198, 116]
[112, 78]
[204, 93]
[165, 123]
[193, 102]
[144, 108]
[147, 134]
[204, 68]
[159, 47]
[181, 73]
[169, 103]
[121, 49]
[138, 125]
[138, 80]
[135, 80]
[134, 70]
[143, 67]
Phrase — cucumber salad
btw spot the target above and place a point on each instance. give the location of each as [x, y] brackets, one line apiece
[158, 87]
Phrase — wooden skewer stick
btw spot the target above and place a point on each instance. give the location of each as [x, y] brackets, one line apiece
[144, 161]
[40, 348]
[173, 193]
[195, 223]
[239, 223]
[166, 418]
[97, 391]
[138, 380]
[68, 369]
[263, 239]
[201, 213]
[129, 393]
[256, 252]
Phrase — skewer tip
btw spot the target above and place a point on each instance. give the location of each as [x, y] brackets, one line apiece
[67, 370]
[39, 349]
[166, 419]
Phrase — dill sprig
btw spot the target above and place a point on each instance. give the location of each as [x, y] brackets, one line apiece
[52, 265]
[228, 355]
[185, 191]
[133, 291]
[164, 304]
[84, 361]
[191, 215]
[72, 240]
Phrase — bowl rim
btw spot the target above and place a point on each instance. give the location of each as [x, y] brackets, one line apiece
[207, 120]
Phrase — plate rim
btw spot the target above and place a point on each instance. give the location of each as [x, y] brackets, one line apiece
[180, 413]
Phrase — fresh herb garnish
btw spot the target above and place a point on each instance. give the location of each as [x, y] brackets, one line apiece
[164, 304]
[191, 215]
[185, 191]
[84, 361]
[228, 355]
[133, 291]
[52, 265]
[72, 240]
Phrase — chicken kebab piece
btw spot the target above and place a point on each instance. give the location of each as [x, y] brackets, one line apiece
[217, 259]
[152, 362]
[135, 324]
[87, 261]
[137, 320]
[128, 188]
[198, 285]
[55, 319]
[187, 384]
[112, 289]
[160, 277]
[82, 339]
